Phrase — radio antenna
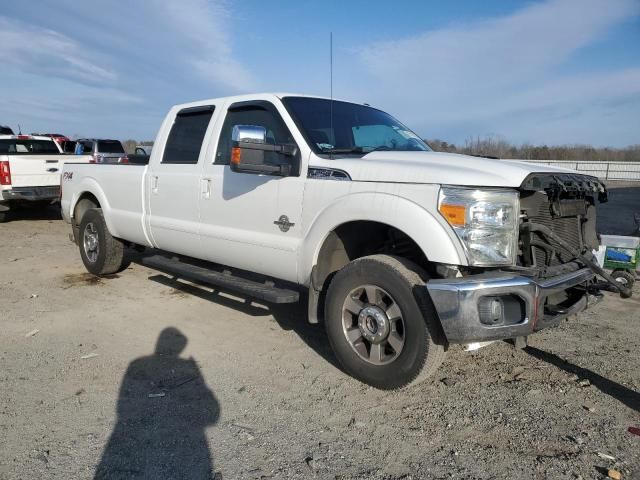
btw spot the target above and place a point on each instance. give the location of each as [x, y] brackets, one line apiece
[331, 89]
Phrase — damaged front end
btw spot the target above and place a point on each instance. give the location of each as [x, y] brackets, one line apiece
[558, 231]
[554, 275]
[566, 205]
[557, 236]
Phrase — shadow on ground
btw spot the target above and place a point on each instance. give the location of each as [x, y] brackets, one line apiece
[35, 212]
[621, 393]
[164, 407]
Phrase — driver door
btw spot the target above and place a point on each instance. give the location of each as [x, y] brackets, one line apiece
[248, 220]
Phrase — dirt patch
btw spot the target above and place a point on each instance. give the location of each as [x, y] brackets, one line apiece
[178, 293]
[84, 279]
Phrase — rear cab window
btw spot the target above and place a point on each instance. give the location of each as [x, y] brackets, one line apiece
[110, 146]
[187, 135]
[28, 147]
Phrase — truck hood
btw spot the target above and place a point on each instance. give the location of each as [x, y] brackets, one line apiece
[436, 167]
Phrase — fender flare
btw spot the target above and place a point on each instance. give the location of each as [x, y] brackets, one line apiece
[431, 233]
[90, 185]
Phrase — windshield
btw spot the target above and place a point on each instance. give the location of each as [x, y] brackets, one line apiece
[110, 146]
[352, 128]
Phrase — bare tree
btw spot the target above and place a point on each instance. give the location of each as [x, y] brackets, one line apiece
[497, 146]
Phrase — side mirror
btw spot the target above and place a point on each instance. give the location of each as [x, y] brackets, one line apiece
[249, 134]
[251, 154]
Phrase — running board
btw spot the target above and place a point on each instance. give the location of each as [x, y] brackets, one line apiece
[260, 291]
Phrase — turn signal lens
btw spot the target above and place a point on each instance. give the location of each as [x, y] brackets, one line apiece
[235, 155]
[455, 214]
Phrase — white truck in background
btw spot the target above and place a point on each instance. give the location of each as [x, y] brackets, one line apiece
[399, 250]
[30, 168]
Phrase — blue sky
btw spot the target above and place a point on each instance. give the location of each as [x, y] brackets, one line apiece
[555, 72]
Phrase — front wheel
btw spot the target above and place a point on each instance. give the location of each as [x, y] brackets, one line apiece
[382, 330]
[101, 253]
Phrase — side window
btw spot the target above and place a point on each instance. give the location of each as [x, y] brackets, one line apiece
[186, 135]
[277, 131]
[87, 147]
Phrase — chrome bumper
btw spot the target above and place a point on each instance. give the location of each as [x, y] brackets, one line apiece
[30, 194]
[461, 304]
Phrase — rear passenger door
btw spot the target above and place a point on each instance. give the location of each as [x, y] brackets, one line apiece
[173, 182]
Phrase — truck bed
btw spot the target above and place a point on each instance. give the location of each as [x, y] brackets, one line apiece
[120, 194]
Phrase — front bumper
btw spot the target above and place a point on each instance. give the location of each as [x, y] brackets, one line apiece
[30, 194]
[464, 304]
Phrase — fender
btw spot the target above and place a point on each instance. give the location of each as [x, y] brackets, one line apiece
[436, 239]
[90, 185]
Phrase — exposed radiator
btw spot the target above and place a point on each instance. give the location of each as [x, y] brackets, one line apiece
[538, 210]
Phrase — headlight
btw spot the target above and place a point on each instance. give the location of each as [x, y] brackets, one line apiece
[486, 222]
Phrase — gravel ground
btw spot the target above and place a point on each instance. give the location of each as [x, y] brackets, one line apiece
[253, 392]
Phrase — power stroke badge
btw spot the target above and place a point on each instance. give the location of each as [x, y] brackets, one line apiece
[283, 223]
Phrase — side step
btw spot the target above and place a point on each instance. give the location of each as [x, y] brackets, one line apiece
[250, 288]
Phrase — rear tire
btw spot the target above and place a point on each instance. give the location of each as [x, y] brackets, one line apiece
[101, 253]
[4, 216]
[383, 330]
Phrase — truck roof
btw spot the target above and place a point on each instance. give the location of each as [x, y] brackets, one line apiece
[97, 140]
[25, 137]
[253, 96]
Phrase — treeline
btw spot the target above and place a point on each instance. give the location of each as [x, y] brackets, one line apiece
[495, 147]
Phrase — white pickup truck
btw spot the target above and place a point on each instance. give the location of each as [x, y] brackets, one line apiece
[399, 250]
[30, 168]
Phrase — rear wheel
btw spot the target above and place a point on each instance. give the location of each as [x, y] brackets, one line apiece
[382, 330]
[101, 253]
[4, 216]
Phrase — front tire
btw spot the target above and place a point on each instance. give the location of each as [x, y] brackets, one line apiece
[101, 253]
[381, 330]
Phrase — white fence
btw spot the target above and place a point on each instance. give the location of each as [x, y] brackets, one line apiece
[629, 171]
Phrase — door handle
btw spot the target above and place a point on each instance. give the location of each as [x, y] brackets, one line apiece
[154, 184]
[206, 188]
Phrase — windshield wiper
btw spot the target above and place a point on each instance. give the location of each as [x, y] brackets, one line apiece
[381, 148]
[343, 150]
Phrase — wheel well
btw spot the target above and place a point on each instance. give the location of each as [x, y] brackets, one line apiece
[87, 200]
[358, 239]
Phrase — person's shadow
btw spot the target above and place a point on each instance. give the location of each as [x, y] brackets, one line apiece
[164, 407]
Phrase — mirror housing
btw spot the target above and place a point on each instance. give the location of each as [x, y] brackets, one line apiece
[249, 134]
[249, 152]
